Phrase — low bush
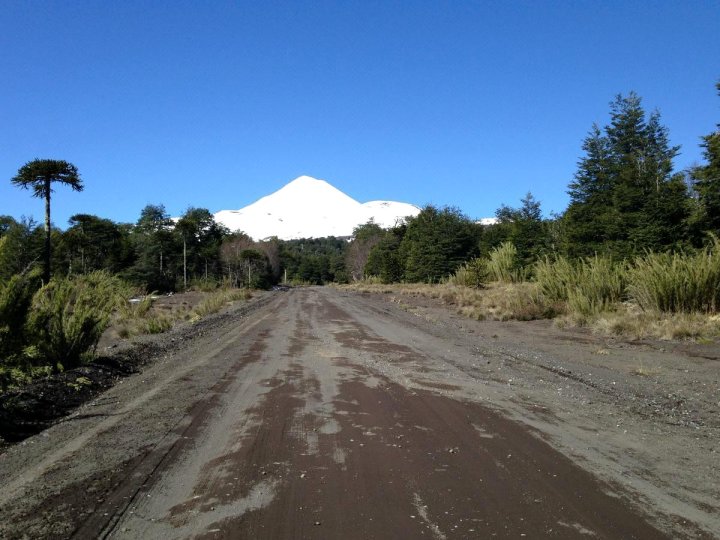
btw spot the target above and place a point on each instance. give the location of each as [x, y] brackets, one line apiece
[204, 285]
[473, 274]
[15, 300]
[69, 315]
[15, 377]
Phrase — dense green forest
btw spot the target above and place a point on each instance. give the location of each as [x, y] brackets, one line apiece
[626, 200]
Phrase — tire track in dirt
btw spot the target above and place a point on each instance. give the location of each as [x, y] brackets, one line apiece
[338, 451]
[318, 428]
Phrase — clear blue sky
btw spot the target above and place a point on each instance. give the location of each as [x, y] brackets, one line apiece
[215, 104]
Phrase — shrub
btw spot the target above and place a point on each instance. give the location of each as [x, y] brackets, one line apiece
[677, 283]
[504, 265]
[472, 274]
[15, 301]
[134, 308]
[70, 314]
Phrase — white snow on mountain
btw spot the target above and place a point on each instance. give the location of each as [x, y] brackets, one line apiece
[488, 221]
[311, 208]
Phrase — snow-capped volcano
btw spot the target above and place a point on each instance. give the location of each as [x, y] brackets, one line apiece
[310, 208]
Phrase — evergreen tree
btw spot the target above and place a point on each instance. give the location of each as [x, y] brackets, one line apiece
[436, 243]
[201, 238]
[21, 246]
[524, 228]
[314, 260]
[625, 197]
[365, 238]
[93, 243]
[40, 175]
[158, 256]
[384, 260]
[706, 180]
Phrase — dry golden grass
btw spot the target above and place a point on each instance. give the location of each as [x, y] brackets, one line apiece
[497, 301]
[219, 300]
[644, 371]
[145, 318]
[525, 301]
[627, 322]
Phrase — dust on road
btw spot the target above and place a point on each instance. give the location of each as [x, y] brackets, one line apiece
[330, 415]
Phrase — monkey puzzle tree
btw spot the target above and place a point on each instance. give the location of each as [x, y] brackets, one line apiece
[39, 175]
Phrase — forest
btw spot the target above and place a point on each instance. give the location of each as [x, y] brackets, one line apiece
[635, 229]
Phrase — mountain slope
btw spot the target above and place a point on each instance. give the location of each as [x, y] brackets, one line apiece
[310, 208]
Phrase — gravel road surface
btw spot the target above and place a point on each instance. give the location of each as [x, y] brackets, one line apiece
[329, 414]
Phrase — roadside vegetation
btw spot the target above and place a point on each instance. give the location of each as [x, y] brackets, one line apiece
[636, 253]
[659, 295]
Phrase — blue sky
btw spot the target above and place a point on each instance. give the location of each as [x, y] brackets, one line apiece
[215, 104]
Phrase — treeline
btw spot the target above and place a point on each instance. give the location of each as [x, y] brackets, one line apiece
[627, 203]
[159, 254]
[626, 199]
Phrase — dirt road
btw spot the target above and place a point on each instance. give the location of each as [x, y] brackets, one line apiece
[328, 414]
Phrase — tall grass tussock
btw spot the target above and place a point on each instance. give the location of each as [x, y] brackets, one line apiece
[589, 286]
[503, 264]
[661, 295]
[677, 283]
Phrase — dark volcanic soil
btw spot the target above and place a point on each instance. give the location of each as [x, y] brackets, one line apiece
[328, 414]
[37, 406]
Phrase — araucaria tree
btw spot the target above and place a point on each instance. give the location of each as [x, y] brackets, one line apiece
[39, 175]
[625, 197]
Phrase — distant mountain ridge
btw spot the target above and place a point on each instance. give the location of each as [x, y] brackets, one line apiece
[311, 208]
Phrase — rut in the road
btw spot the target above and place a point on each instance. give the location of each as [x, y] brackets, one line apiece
[332, 449]
[307, 423]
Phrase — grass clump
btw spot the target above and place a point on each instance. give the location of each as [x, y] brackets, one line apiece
[629, 323]
[588, 286]
[678, 282]
[156, 324]
[504, 302]
[148, 317]
[219, 299]
[504, 265]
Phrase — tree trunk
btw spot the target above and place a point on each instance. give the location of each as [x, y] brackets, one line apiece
[46, 275]
[184, 263]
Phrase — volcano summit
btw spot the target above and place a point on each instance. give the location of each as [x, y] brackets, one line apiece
[311, 208]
